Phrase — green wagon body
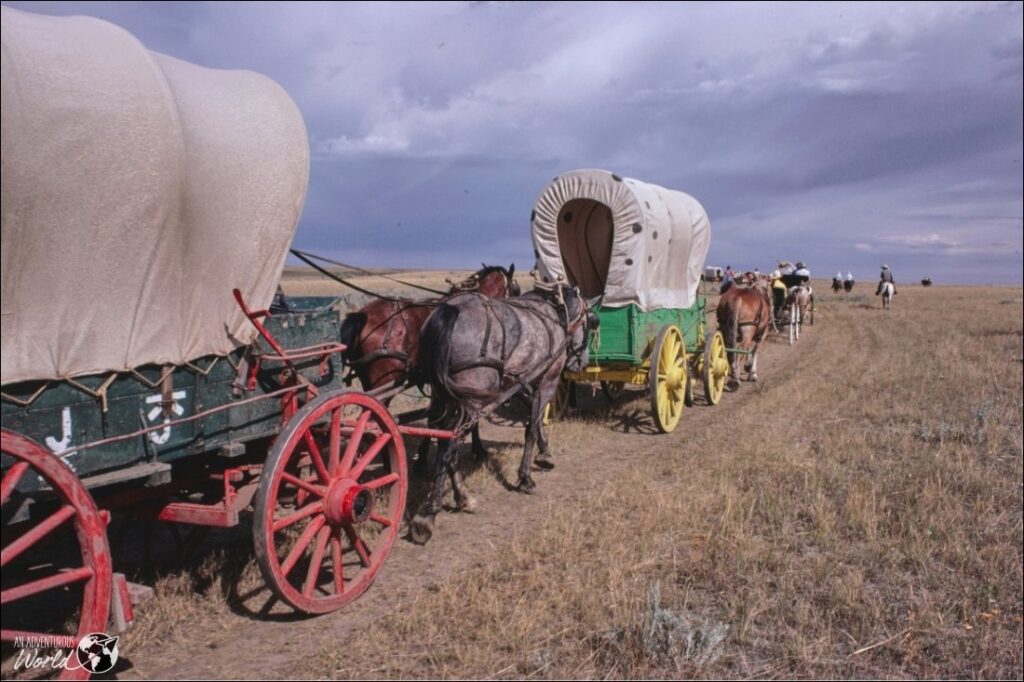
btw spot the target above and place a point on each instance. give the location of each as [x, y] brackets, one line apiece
[59, 414]
[626, 334]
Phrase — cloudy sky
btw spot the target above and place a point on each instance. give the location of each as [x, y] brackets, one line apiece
[844, 135]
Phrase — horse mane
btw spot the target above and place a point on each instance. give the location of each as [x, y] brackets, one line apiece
[488, 269]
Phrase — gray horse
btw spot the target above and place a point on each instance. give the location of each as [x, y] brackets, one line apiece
[478, 352]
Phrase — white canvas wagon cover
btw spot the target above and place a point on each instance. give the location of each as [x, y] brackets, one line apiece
[138, 190]
[635, 242]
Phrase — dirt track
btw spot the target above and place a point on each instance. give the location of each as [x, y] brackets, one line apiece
[250, 645]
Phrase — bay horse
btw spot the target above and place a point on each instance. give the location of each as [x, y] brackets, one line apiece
[382, 338]
[744, 317]
[848, 285]
[477, 353]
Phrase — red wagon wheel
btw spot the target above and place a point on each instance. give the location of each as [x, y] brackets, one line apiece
[33, 579]
[330, 501]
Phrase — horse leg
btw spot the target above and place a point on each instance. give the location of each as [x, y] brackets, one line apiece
[753, 361]
[463, 500]
[546, 393]
[422, 454]
[526, 484]
[478, 445]
[421, 526]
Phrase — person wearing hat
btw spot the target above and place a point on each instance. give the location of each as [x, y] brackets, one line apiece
[886, 276]
[778, 294]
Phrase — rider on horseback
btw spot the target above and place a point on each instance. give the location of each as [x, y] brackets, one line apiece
[885, 276]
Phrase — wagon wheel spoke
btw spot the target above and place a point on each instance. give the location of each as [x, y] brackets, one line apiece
[358, 545]
[14, 550]
[315, 456]
[354, 439]
[336, 564]
[296, 516]
[43, 584]
[11, 635]
[370, 455]
[300, 546]
[381, 482]
[335, 443]
[303, 485]
[11, 480]
[313, 572]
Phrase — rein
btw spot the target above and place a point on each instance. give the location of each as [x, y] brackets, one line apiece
[306, 256]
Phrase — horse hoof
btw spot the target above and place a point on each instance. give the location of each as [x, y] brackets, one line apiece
[544, 461]
[468, 504]
[526, 486]
[421, 528]
[753, 377]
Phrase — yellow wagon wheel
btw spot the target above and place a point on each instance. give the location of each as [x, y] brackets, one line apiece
[667, 378]
[555, 410]
[716, 368]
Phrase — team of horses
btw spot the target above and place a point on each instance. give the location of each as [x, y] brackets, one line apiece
[479, 346]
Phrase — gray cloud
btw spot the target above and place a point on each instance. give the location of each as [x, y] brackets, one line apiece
[805, 129]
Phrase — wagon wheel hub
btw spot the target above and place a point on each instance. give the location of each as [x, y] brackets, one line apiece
[348, 503]
[674, 378]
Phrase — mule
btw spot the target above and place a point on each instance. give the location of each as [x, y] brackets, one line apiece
[744, 317]
[477, 353]
[382, 338]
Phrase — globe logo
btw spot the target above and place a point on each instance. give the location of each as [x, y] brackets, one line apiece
[97, 652]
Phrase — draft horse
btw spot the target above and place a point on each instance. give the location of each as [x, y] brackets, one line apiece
[744, 317]
[477, 353]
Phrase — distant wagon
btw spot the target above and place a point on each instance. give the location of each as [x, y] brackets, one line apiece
[147, 203]
[638, 251]
[713, 274]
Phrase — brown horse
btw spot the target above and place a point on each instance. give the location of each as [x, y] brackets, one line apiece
[744, 317]
[382, 338]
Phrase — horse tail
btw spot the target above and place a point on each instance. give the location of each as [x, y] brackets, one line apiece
[435, 358]
[730, 322]
[351, 326]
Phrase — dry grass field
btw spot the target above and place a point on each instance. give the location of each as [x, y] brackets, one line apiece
[856, 513]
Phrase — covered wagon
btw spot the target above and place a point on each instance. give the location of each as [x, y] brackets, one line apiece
[637, 251]
[147, 204]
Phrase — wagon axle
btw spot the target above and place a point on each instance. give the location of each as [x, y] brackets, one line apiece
[348, 502]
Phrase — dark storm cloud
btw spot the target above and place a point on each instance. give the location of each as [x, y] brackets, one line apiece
[839, 134]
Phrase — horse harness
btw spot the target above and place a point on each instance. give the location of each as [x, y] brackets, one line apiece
[522, 380]
[471, 284]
